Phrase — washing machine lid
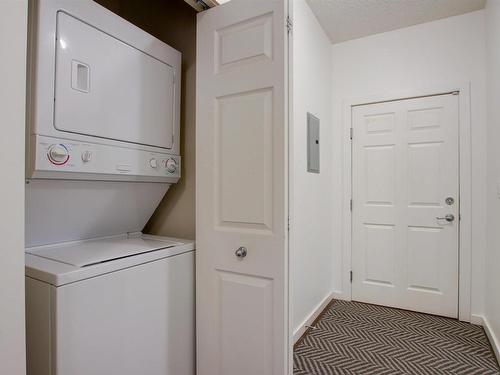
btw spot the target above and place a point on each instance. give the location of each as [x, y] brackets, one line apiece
[94, 252]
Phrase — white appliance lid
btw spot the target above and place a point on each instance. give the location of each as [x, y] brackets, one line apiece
[98, 251]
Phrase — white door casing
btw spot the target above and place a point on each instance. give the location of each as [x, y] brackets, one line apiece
[241, 192]
[405, 164]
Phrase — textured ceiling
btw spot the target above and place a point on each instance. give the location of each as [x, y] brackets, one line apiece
[350, 19]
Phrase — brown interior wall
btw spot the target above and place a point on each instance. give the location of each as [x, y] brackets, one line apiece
[173, 22]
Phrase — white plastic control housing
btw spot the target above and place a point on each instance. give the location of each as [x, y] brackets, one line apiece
[105, 162]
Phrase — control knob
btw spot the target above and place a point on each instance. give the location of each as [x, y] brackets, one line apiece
[86, 156]
[58, 154]
[171, 165]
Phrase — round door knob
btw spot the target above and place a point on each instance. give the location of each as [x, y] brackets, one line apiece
[241, 252]
[171, 165]
[58, 154]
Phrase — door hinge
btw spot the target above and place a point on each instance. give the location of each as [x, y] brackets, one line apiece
[288, 223]
[350, 276]
[289, 24]
[350, 204]
[351, 131]
[202, 4]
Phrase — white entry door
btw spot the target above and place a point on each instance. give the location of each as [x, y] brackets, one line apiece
[241, 177]
[406, 204]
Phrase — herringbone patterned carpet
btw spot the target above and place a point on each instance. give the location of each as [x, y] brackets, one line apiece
[357, 338]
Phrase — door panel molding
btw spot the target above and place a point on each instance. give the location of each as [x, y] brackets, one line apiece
[465, 183]
[241, 191]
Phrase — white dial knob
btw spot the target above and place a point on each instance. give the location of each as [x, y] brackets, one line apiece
[58, 154]
[171, 165]
[86, 156]
[153, 163]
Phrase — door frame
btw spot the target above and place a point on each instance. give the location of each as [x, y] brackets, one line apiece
[465, 186]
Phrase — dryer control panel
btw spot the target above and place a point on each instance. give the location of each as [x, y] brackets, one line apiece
[78, 160]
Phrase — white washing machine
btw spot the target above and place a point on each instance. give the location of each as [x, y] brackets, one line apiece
[122, 305]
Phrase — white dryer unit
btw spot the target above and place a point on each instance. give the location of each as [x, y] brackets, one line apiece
[103, 123]
[104, 97]
[122, 305]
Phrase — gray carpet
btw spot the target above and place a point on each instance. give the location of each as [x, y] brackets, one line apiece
[357, 338]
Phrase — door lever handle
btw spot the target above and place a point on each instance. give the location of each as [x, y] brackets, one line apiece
[449, 218]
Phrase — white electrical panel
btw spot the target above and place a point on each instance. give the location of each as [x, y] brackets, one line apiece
[313, 155]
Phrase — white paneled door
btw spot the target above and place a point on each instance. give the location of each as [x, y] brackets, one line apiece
[241, 167]
[406, 204]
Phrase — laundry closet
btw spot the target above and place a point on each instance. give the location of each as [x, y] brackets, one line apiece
[103, 149]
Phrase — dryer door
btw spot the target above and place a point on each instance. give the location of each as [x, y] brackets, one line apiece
[108, 89]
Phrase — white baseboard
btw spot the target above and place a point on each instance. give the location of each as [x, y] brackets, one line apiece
[477, 320]
[311, 318]
[337, 294]
[494, 340]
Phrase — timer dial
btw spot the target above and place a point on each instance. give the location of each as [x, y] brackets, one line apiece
[58, 154]
[171, 165]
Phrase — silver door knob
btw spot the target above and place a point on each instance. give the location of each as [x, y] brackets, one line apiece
[449, 218]
[241, 252]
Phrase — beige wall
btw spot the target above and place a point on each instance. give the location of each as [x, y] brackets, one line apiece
[492, 294]
[311, 246]
[173, 22]
[13, 15]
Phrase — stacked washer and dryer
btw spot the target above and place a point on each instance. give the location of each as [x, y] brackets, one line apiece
[102, 150]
